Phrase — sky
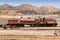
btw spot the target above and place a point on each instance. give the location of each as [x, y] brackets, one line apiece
[39, 3]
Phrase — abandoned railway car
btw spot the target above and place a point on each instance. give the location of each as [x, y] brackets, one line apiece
[21, 22]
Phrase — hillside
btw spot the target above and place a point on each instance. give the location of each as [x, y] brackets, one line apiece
[29, 9]
[6, 7]
[48, 9]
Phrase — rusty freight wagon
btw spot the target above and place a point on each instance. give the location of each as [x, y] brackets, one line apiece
[21, 22]
[40, 22]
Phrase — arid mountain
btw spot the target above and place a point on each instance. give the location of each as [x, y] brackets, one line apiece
[29, 9]
[24, 7]
[48, 9]
[41, 10]
[6, 7]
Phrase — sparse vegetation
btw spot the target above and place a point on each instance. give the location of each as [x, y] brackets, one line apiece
[58, 12]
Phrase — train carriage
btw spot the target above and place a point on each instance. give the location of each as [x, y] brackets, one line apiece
[33, 22]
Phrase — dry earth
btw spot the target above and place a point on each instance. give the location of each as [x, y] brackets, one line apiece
[28, 35]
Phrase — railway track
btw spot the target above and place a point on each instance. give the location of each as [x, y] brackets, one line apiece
[34, 28]
[40, 28]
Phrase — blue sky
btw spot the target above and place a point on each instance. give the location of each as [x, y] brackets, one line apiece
[55, 3]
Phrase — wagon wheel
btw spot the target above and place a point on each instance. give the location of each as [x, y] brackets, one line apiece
[13, 27]
[5, 27]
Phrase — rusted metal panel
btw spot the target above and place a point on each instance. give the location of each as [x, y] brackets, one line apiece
[12, 21]
[27, 22]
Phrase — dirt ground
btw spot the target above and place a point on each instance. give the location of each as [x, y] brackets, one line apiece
[28, 35]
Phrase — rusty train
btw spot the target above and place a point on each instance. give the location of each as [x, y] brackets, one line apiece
[21, 22]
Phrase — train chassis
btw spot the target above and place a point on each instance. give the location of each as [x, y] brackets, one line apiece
[32, 25]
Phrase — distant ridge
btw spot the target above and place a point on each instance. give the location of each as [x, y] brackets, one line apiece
[28, 7]
[6, 7]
